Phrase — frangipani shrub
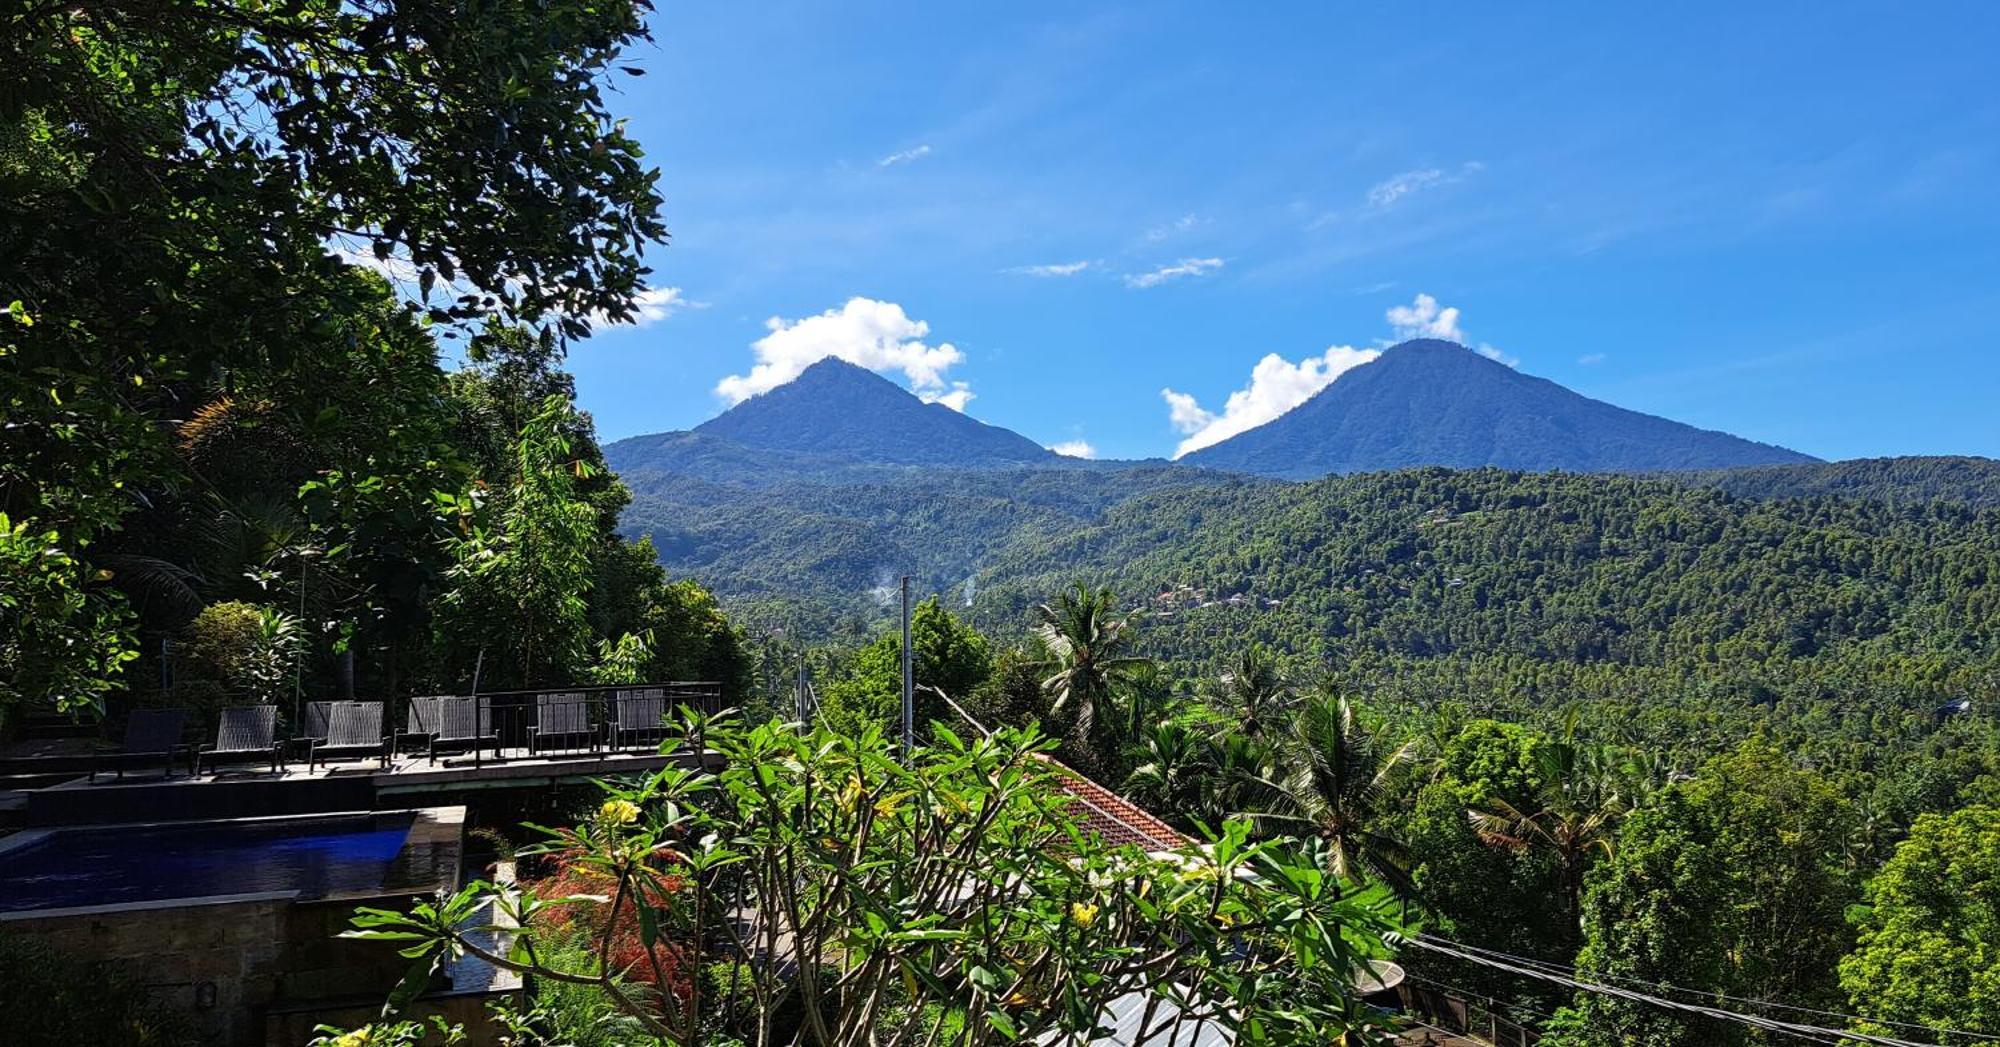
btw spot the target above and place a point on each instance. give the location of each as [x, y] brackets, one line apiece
[955, 899]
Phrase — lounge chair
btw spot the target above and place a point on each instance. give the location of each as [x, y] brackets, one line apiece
[318, 716]
[465, 725]
[641, 718]
[150, 734]
[704, 697]
[243, 732]
[420, 724]
[355, 729]
[562, 720]
[312, 727]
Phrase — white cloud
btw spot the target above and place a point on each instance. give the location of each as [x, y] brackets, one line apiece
[1054, 269]
[1591, 359]
[1424, 318]
[960, 395]
[1186, 414]
[1184, 267]
[1074, 449]
[1276, 385]
[877, 335]
[904, 157]
[1384, 194]
[653, 305]
[650, 306]
[1178, 225]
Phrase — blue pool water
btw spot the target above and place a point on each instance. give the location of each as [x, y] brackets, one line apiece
[317, 857]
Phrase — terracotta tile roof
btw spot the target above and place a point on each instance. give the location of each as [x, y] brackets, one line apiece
[1112, 817]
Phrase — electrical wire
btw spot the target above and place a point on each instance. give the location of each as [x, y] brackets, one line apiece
[1490, 1002]
[1562, 969]
[1798, 1030]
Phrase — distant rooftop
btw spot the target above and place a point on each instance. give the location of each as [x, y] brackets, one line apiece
[1112, 817]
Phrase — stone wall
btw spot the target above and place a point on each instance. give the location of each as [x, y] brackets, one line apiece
[214, 960]
[237, 964]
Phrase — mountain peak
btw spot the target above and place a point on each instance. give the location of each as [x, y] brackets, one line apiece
[839, 408]
[1429, 345]
[830, 370]
[1428, 401]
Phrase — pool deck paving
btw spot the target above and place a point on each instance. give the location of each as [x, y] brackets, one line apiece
[346, 785]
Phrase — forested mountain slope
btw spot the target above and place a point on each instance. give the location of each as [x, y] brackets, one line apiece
[821, 536]
[1541, 568]
[818, 544]
[1431, 402]
[837, 408]
[1974, 481]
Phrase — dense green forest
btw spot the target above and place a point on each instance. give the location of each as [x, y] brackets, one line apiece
[849, 527]
[816, 546]
[1707, 822]
[1974, 481]
[1551, 567]
[1571, 718]
[234, 464]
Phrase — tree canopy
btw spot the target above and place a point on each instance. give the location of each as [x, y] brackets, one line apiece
[183, 191]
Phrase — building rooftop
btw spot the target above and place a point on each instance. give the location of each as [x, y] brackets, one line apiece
[1115, 819]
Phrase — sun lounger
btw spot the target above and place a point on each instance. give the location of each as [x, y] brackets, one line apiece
[562, 721]
[641, 718]
[464, 725]
[354, 729]
[151, 736]
[243, 732]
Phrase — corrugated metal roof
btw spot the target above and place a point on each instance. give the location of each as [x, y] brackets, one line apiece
[1143, 1019]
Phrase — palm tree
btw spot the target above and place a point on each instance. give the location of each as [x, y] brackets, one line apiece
[1572, 818]
[1253, 693]
[1085, 652]
[1176, 770]
[1327, 773]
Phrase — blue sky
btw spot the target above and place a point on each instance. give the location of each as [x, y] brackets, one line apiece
[1781, 220]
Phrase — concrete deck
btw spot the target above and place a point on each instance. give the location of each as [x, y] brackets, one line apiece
[348, 785]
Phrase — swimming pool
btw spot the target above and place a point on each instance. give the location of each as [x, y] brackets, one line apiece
[318, 857]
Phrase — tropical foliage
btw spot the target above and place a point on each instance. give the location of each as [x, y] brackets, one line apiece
[952, 899]
[192, 348]
[1929, 952]
[948, 661]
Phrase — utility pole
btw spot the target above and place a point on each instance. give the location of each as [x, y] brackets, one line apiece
[909, 681]
[799, 689]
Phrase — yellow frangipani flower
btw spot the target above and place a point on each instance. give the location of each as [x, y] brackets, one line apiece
[1083, 914]
[356, 1038]
[888, 805]
[850, 797]
[619, 812]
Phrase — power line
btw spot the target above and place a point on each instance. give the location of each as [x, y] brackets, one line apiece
[1558, 968]
[1810, 1033]
[1468, 994]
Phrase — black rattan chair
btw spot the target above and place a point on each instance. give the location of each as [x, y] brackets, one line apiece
[420, 724]
[150, 735]
[464, 725]
[562, 720]
[243, 732]
[354, 729]
[641, 719]
[319, 715]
